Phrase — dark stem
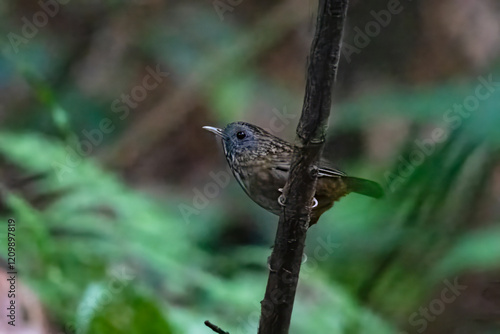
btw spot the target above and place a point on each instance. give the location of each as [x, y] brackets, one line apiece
[215, 328]
[277, 306]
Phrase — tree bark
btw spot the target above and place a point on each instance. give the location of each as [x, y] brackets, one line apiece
[286, 258]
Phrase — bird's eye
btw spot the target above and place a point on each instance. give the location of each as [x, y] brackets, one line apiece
[241, 135]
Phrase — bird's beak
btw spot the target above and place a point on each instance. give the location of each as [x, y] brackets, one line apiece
[217, 131]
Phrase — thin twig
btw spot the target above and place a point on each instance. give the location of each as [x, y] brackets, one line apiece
[294, 221]
[215, 328]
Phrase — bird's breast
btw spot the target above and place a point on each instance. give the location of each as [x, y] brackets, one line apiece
[262, 185]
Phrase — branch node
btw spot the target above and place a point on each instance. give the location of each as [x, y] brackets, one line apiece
[314, 171]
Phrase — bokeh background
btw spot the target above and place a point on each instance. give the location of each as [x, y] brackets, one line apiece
[127, 220]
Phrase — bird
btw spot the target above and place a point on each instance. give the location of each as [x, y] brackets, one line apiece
[260, 162]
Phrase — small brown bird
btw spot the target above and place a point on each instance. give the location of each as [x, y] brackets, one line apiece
[261, 161]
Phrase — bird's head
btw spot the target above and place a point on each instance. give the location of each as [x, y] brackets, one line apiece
[238, 137]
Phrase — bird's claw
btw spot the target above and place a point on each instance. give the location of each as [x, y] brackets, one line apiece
[269, 265]
[281, 200]
[315, 203]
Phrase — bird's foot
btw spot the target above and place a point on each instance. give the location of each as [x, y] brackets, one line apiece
[281, 199]
[269, 265]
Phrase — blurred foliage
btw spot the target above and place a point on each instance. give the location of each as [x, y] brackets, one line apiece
[125, 238]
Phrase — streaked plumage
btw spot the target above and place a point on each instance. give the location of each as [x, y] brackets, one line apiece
[261, 161]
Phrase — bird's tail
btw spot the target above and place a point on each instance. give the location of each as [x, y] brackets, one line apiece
[364, 187]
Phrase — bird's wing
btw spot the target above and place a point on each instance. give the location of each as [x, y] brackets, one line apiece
[330, 172]
[327, 170]
[281, 165]
[323, 171]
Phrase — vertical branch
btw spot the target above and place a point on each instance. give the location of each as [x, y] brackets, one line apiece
[298, 193]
